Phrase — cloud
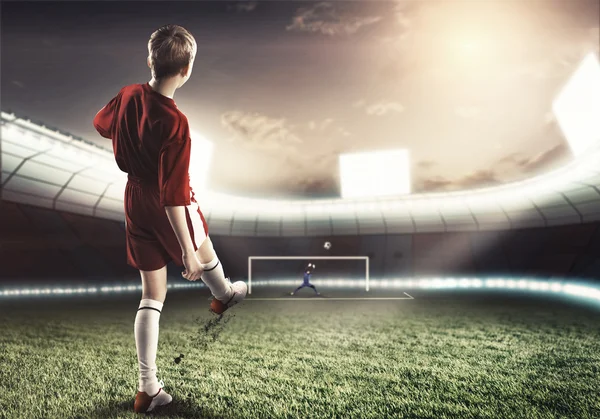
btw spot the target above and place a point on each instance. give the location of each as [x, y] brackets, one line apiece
[310, 172]
[343, 132]
[246, 6]
[383, 108]
[285, 143]
[553, 157]
[379, 108]
[511, 158]
[259, 132]
[433, 184]
[291, 166]
[550, 158]
[324, 18]
[310, 162]
[467, 112]
[404, 13]
[426, 164]
[324, 186]
[478, 179]
[18, 83]
[327, 128]
[319, 126]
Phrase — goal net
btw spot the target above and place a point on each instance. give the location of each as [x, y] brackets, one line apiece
[342, 272]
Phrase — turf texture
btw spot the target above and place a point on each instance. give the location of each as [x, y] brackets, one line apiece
[437, 356]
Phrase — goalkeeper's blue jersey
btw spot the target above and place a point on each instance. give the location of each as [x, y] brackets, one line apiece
[306, 278]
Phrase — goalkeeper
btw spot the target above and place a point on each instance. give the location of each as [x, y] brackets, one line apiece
[306, 282]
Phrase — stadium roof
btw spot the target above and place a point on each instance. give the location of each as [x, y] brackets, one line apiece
[50, 169]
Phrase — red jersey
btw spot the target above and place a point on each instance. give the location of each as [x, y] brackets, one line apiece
[151, 140]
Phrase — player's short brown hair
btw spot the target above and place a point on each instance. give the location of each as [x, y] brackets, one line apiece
[171, 48]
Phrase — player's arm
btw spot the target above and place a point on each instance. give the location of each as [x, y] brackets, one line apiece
[104, 119]
[175, 193]
[178, 220]
[173, 179]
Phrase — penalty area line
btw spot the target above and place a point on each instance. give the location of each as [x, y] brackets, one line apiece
[328, 299]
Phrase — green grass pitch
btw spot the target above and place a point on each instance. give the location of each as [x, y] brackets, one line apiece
[437, 356]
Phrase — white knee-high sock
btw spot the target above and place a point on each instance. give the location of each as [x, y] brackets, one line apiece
[214, 278]
[146, 342]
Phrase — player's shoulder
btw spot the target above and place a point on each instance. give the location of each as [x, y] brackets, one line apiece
[131, 88]
[181, 117]
[174, 124]
[174, 117]
[129, 91]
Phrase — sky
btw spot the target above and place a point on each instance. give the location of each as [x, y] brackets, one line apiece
[283, 88]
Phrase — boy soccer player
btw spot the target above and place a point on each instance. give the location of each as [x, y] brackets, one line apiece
[306, 282]
[151, 142]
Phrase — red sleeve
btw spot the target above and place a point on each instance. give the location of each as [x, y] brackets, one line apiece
[173, 166]
[103, 121]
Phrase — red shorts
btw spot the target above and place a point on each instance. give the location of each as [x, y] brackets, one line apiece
[151, 241]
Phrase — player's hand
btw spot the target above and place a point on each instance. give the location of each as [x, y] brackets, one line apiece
[193, 268]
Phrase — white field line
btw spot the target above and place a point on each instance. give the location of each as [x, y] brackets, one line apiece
[329, 299]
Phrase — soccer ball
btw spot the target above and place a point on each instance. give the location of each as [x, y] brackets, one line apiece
[327, 245]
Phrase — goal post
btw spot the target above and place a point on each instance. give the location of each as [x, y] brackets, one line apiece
[251, 258]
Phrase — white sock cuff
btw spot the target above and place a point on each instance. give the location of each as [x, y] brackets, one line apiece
[211, 265]
[151, 304]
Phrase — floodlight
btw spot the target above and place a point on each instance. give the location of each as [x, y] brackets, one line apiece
[379, 173]
[577, 106]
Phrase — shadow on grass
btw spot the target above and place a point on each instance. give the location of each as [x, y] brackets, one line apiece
[176, 409]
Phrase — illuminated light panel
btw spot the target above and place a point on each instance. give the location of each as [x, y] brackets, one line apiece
[85, 290]
[577, 106]
[200, 158]
[378, 173]
[569, 287]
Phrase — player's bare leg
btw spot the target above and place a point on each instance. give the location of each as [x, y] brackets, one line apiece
[154, 284]
[226, 294]
[154, 291]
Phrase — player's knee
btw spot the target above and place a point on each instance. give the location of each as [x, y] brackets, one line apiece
[155, 292]
[159, 298]
[206, 251]
[206, 244]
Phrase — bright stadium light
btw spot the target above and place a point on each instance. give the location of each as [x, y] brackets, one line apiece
[379, 173]
[577, 106]
[84, 290]
[574, 288]
[200, 158]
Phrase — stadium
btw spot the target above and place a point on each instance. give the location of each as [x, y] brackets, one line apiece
[480, 303]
